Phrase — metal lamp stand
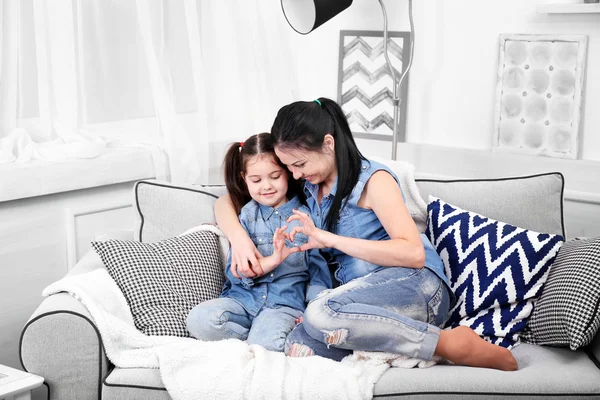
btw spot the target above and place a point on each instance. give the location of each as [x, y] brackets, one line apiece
[395, 82]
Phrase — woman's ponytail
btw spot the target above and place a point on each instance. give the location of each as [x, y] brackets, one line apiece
[347, 157]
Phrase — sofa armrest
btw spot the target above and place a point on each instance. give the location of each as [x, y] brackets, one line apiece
[61, 343]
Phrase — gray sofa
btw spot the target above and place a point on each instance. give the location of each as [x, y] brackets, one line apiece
[61, 343]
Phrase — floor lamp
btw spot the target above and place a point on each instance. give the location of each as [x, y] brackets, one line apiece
[304, 16]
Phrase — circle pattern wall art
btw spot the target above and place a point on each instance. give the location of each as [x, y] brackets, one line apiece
[539, 94]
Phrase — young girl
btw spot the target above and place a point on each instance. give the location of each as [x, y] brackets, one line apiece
[393, 295]
[262, 308]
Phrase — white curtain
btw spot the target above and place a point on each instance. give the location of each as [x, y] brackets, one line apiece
[182, 78]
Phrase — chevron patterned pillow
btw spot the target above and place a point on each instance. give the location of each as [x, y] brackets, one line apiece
[496, 270]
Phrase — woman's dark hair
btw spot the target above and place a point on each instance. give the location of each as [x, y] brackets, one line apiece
[303, 125]
[234, 165]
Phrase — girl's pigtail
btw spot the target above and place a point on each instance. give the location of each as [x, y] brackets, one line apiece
[234, 181]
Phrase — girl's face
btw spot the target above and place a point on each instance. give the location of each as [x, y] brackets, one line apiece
[314, 166]
[267, 182]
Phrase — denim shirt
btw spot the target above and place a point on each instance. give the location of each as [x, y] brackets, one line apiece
[297, 280]
[362, 223]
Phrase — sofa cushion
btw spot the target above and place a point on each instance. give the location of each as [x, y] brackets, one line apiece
[544, 372]
[533, 202]
[566, 313]
[134, 384]
[163, 281]
[164, 210]
[541, 372]
[496, 270]
[530, 202]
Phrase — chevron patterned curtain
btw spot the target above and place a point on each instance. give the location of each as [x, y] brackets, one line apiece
[365, 87]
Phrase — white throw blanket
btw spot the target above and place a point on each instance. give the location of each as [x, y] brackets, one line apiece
[229, 369]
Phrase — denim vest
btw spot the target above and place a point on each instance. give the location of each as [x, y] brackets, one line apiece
[298, 279]
[362, 223]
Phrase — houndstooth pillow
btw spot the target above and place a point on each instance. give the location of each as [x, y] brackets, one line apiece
[162, 281]
[566, 313]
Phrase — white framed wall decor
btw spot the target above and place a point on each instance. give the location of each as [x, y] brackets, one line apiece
[539, 94]
[365, 86]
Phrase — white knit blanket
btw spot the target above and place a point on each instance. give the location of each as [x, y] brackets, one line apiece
[228, 369]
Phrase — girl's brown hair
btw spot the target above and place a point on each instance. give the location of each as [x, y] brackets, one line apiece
[235, 162]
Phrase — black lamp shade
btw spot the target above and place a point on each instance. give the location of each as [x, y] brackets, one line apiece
[307, 15]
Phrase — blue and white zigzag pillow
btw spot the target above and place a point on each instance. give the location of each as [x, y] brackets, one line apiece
[496, 270]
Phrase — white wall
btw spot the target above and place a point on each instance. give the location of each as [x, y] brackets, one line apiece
[452, 82]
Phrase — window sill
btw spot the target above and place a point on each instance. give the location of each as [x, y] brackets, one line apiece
[38, 178]
[582, 8]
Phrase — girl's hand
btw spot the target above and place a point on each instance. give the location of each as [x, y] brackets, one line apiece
[317, 238]
[280, 250]
[244, 258]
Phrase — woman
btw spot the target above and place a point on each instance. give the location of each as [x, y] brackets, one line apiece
[394, 295]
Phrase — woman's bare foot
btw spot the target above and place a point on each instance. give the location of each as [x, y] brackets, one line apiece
[463, 346]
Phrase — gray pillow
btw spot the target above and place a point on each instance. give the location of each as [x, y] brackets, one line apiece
[566, 314]
[530, 202]
[162, 281]
[165, 210]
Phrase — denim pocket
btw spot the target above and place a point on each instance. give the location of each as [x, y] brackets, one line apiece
[346, 224]
[297, 259]
[437, 306]
[263, 243]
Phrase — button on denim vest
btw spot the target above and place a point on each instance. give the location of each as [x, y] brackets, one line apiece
[361, 223]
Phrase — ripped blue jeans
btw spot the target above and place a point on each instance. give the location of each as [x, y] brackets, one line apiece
[225, 318]
[396, 310]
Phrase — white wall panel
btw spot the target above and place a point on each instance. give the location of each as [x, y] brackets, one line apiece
[83, 225]
[35, 240]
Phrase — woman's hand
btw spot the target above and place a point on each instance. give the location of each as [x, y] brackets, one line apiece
[317, 238]
[244, 257]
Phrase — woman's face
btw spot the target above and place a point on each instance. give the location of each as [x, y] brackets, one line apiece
[314, 166]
